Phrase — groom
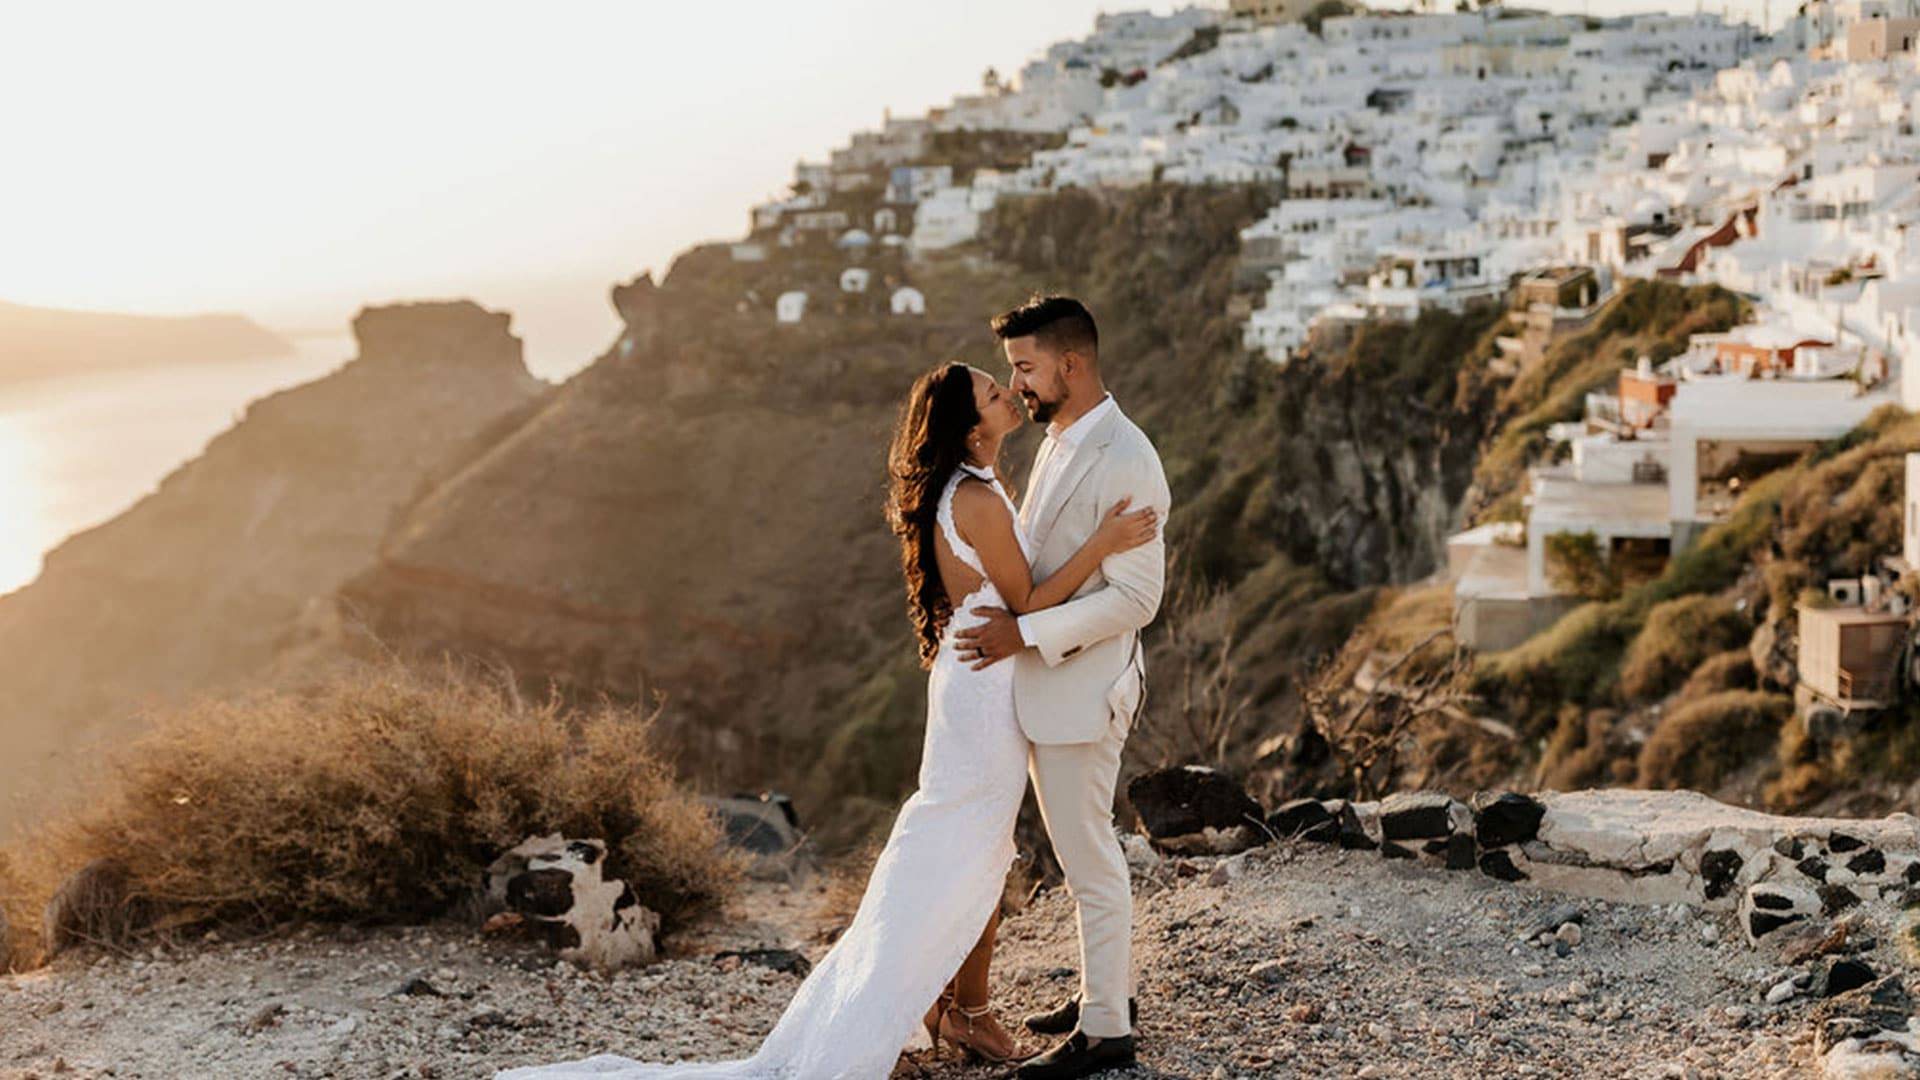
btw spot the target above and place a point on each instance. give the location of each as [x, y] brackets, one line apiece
[1078, 676]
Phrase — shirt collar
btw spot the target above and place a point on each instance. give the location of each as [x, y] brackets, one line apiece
[1071, 436]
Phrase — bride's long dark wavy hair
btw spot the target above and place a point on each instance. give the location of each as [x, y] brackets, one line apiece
[929, 443]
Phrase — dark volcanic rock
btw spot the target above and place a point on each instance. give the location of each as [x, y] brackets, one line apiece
[1836, 898]
[785, 960]
[1718, 869]
[1460, 852]
[1506, 818]
[1308, 819]
[1840, 976]
[1870, 861]
[1813, 867]
[1189, 799]
[1761, 923]
[1499, 864]
[1840, 843]
[1416, 816]
[1353, 834]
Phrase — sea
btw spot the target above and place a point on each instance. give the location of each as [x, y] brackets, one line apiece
[76, 450]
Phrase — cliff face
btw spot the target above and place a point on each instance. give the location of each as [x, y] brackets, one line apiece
[196, 586]
[699, 512]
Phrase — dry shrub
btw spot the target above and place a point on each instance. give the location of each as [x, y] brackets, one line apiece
[16, 920]
[1587, 749]
[1730, 670]
[1678, 635]
[1701, 742]
[380, 796]
[1804, 777]
[1885, 749]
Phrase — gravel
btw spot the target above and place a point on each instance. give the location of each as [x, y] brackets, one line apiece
[1299, 961]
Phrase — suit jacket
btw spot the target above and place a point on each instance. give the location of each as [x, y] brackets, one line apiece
[1085, 671]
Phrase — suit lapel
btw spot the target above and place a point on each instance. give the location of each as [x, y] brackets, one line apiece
[1029, 498]
[1091, 450]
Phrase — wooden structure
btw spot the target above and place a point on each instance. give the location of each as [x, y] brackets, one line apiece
[1850, 656]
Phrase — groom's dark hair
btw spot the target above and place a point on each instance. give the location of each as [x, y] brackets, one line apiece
[1057, 323]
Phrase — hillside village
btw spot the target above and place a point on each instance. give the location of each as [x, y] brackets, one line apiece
[1492, 157]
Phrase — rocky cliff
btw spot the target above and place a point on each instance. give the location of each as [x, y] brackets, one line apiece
[699, 512]
[200, 584]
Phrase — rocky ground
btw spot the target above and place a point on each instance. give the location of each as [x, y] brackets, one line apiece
[1289, 961]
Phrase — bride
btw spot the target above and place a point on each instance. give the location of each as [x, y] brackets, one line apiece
[931, 907]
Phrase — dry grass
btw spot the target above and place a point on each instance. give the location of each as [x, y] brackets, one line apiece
[1703, 741]
[378, 797]
[16, 943]
[1730, 670]
[1679, 634]
[1587, 749]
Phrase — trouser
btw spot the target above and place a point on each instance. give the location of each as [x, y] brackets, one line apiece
[1074, 783]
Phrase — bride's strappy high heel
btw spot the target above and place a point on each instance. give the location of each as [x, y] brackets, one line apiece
[937, 1015]
[965, 1037]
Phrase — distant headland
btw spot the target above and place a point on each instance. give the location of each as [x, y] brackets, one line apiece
[37, 342]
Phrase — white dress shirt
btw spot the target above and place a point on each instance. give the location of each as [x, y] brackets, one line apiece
[1055, 454]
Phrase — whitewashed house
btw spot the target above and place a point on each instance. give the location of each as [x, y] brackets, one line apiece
[945, 219]
[789, 307]
[907, 300]
[854, 279]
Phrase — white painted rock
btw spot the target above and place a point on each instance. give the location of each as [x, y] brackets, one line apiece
[556, 883]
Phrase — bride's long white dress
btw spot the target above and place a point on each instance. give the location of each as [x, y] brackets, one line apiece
[931, 893]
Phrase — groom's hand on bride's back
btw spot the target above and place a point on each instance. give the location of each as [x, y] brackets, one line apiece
[992, 641]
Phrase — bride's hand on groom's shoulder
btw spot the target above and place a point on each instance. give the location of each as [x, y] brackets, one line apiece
[992, 641]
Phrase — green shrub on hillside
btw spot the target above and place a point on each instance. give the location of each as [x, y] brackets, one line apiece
[1677, 636]
[379, 797]
[1701, 742]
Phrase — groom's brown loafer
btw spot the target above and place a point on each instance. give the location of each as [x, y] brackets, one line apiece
[1066, 1017]
[1077, 1057]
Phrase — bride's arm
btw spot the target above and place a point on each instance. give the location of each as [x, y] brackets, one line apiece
[984, 521]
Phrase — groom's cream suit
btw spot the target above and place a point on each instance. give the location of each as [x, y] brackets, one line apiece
[1078, 686]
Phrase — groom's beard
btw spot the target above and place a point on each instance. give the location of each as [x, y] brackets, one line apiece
[1041, 411]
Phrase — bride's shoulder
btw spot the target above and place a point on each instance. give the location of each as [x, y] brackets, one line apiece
[974, 498]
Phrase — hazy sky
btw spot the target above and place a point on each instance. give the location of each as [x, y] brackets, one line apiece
[296, 161]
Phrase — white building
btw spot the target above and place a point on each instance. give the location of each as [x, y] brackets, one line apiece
[907, 300]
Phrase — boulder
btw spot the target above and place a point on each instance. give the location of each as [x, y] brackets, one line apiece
[557, 885]
[765, 828]
[1194, 808]
[93, 907]
[1506, 818]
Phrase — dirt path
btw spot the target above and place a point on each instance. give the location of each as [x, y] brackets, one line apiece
[1310, 962]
